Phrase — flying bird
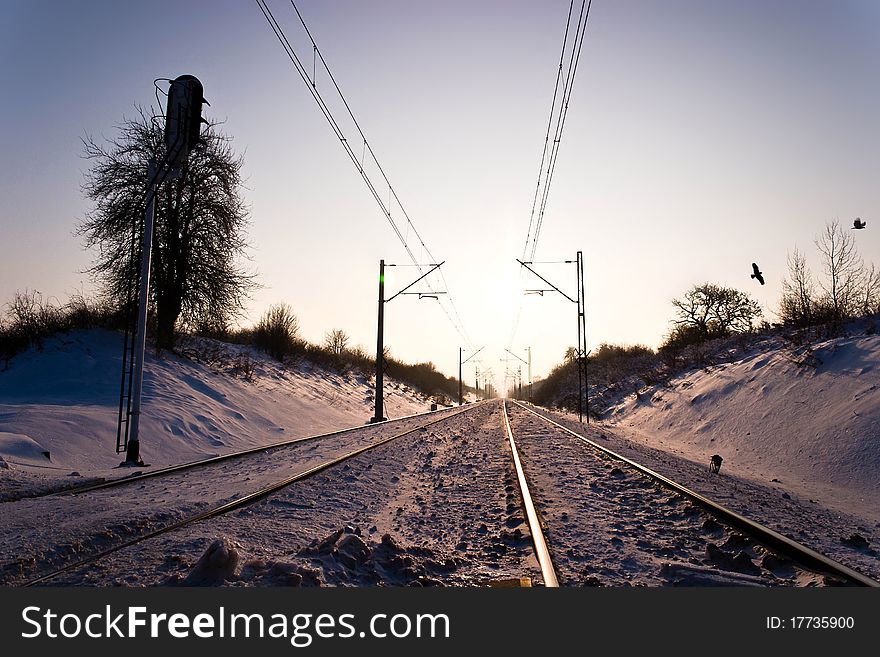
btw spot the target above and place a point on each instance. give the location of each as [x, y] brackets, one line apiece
[757, 273]
[858, 224]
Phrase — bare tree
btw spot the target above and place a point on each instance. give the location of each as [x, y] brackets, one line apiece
[196, 276]
[336, 341]
[798, 302]
[869, 296]
[843, 270]
[714, 311]
[277, 331]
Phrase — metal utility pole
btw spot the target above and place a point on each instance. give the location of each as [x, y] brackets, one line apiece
[583, 383]
[583, 387]
[519, 371]
[530, 375]
[379, 412]
[132, 453]
[183, 119]
[507, 375]
[378, 415]
[460, 363]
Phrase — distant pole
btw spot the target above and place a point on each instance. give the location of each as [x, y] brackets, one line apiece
[583, 389]
[132, 454]
[460, 363]
[530, 375]
[379, 415]
[584, 328]
[459, 377]
[580, 353]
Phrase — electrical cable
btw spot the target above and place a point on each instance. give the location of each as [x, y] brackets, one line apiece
[358, 162]
[563, 113]
[560, 111]
[549, 124]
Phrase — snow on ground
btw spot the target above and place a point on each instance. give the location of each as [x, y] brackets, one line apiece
[44, 532]
[848, 538]
[63, 400]
[609, 525]
[439, 506]
[21, 449]
[805, 420]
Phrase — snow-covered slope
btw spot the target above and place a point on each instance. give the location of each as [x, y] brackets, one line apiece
[64, 399]
[806, 420]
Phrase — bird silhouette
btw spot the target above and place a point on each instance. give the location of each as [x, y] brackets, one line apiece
[757, 273]
[858, 224]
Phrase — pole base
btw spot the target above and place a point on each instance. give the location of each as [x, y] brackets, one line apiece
[132, 455]
[374, 420]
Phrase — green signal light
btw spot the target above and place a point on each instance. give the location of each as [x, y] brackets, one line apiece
[381, 278]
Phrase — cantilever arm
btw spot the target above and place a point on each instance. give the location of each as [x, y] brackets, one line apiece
[545, 280]
[415, 281]
[472, 355]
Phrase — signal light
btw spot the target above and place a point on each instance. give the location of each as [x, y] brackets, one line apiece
[183, 117]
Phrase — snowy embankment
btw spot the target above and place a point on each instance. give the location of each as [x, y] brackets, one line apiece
[806, 421]
[63, 400]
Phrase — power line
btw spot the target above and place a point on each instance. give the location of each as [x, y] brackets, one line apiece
[563, 113]
[366, 149]
[549, 124]
[555, 124]
[366, 144]
[560, 111]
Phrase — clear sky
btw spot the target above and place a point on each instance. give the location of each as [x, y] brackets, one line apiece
[701, 136]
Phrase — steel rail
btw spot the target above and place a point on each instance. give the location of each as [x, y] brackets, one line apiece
[548, 572]
[800, 553]
[121, 481]
[237, 503]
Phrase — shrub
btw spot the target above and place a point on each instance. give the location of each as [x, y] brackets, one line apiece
[715, 311]
[29, 319]
[277, 332]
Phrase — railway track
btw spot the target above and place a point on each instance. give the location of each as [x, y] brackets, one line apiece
[569, 513]
[237, 502]
[139, 476]
[590, 524]
[536, 529]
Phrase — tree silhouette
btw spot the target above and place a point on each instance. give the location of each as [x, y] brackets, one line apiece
[196, 277]
[798, 303]
[712, 311]
[844, 271]
[277, 332]
[336, 341]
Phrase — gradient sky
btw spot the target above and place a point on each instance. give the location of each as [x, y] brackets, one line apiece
[701, 136]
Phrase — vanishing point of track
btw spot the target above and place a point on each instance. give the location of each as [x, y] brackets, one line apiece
[782, 545]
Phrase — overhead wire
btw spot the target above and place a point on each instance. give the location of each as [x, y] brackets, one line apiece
[291, 53]
[556, 125]
[358, 162]
[549, 125]
[560, 112]
[563, 113]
